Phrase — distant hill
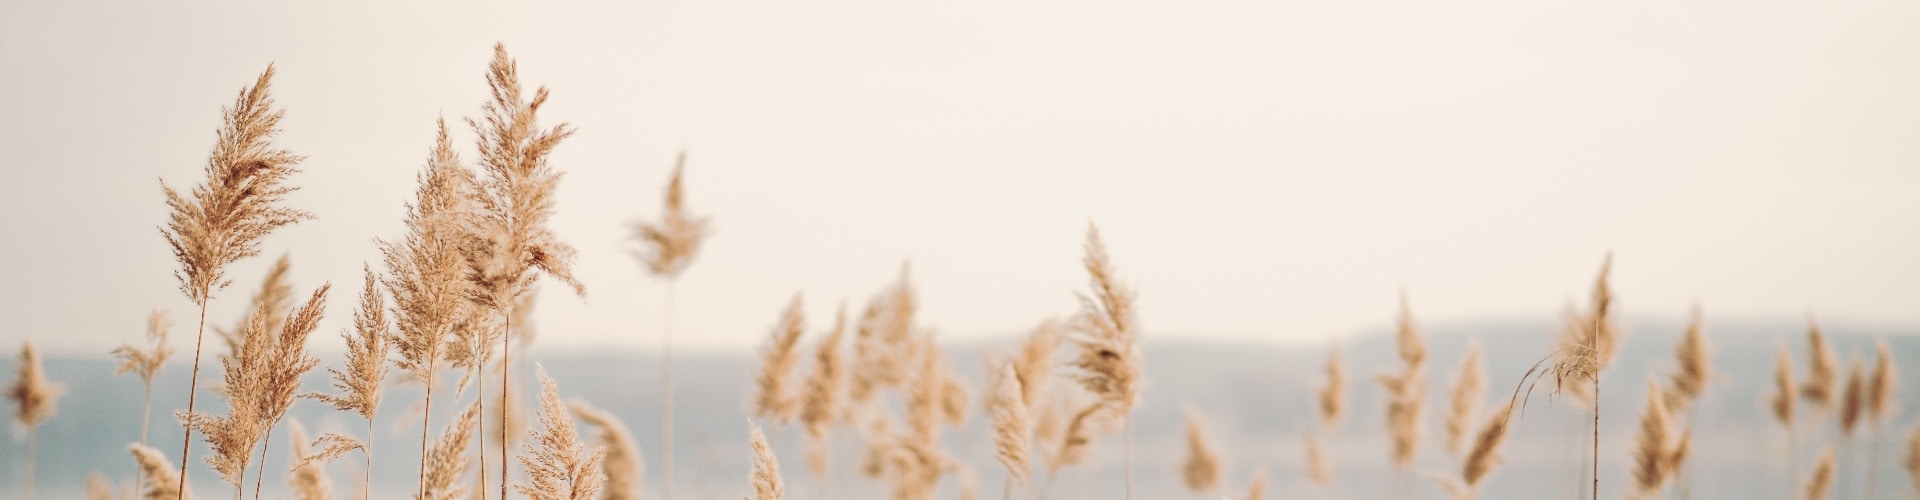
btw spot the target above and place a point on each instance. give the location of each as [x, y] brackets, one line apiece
[1257, 396]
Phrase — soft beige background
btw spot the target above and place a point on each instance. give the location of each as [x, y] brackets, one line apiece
[1263, 169]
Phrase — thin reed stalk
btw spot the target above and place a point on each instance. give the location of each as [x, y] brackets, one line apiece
[666, 249]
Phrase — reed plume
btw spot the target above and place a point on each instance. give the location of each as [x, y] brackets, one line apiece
[99, 488]
[509, 245]
[822, 405]
[163, 481]
[1201, 469]
[766, 469]
[287, 361]
[222, 220]
[1109, 361]
[1009, 415]
[1880, 406]
[146, 363]
[309, 478]
[275, 296]
[1852, 398]
[362, 383]
[1695, 370]
[1781, 402]
[774, 400]
[234, 435]
[1033, 364]
[447, 460]
[34, 399]
[1469, 386]
[1822, 371]
[1076, 437]
[883, 339]
[666, 249]
[1318, 470]
[1653, 446]
[426, 277]
[1257, 487]
[624, 467]
[1333, 397]
[1484, 454]
[558, 466]
[1406, 390]
[1820, 484]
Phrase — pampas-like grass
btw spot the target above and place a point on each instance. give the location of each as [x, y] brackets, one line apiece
[1484, 454]
[99, 488]
[426, 278]
[1201, 468]
[1853, 398]
[823, 402]
[1820, 483]
[309, 477]
[883, 340]
[766, 469]
[1469, 386]
[1009, 414]
[275, 296]
[1880, 406]
[233, 435]
[1406, 389]
[1653, 445]
[1784, 389]
[773, 400]
[1257, 487]
[1033, 365]
[33, 402]
[1109, 360]
[1318, 470]
[446, 461]
[1333, 396]
[1822, 371]
[558, 466]
[624, 466]
[163, 481]
[509, 245]
[288, 360]
[222, 220]
[363, 381]
[666, 249]
[1695, 370]
[146, 363]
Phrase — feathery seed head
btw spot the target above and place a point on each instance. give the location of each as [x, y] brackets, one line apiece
[33, 396]
[773, 400]
[1009, 415]
[1201, 470]
[624, 466]
[667, 247]
[766, 469]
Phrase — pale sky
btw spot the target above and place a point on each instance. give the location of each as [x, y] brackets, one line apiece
[1261, 169]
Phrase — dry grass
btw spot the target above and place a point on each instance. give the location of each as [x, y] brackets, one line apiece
[1257, 487]
[360, 385]
[558, 466]
[1653, 445]
[33, 396]
[163, 481]
[309, 478]
[1784, 389]
[275, 297]
[1695, 366]
[1333, 397]
[766, 469]
[1853, 398]
[1468, 388]
[1109, 362]
[823, 402]
[667, 247]
[624, 466]
[1822, 371]
[1201, 469]
[1009, 414]
[1318, 470]
[1033, 365]
[1820, 484]
[1880, 388]
[148, 363]
[774, 400]
[1406, 390]
[234, 435]
[446, 462]
[1484, 454]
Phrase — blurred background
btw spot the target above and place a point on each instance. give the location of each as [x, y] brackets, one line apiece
[1269, 174]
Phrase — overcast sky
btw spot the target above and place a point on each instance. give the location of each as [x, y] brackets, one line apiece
[1262, 169]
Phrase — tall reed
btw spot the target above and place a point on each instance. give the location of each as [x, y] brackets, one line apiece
[363, 381]
[288, 361]
[163, 481]
[1109, 360]
[1880, 406]
[1781, 402]
[824, 401]
[1332, 397]
[446, 462]
[1469, 386]
[766, 469]
[309, 477]
[773, 400]
[1406, 391]
[558, 466]
[1009, 415]
[222, 220]
[666, 249]
[148, 365]
[1201, 468]
[34, 400]
[623, 466]
[1820, 483]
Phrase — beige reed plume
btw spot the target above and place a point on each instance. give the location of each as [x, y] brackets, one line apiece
[773, 400]
[667, 247]
[1258, 486]
[509, 245]
[1653, 446]
[1484, 454]
[1913, 457]
[1333, 397]
[1109, 361]
[823, 403]
[234, 435]
[1033, 364]
[1822, 371]
[624, 466]
[1009, 415]
[1201, 469]
[288, 360]
[1469, 386]
[163, 481]
[1852, 398]
[1880, 403]
[446, 462]
[309, 477]
[33, 402]
[766, 468]
[146, 363]
[275, 296]
[363, 381]
[1406, 390]
[222, 220]
[426, 278]
[1318, 470]
[558, 466]
[1781, 402]
[883, 340]
[1820, 484]
[1695, 369]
